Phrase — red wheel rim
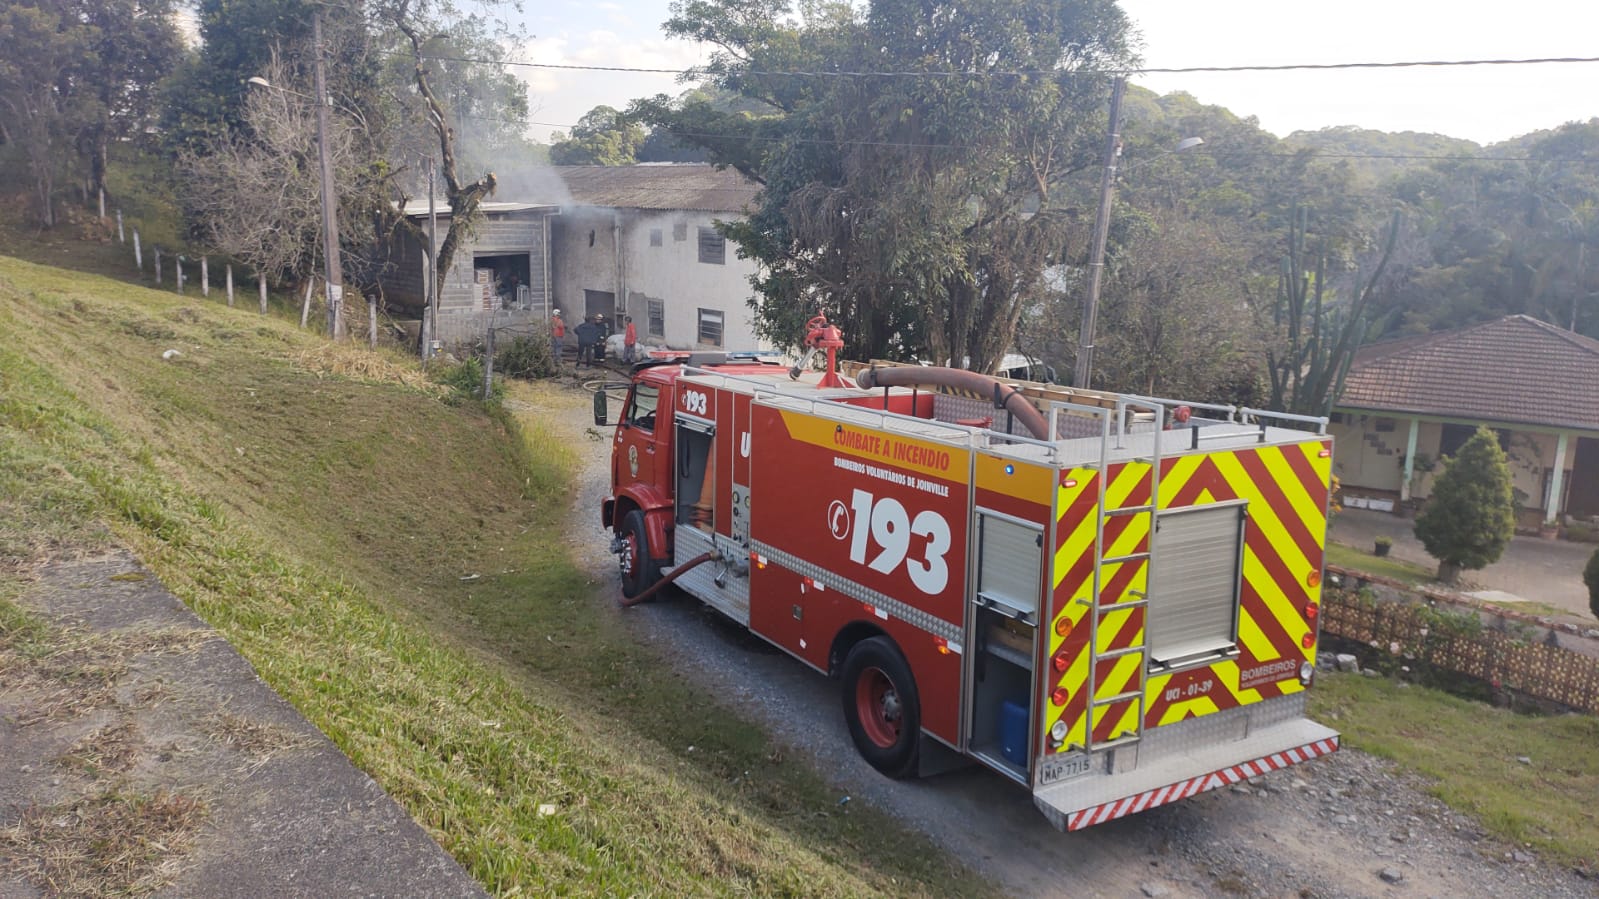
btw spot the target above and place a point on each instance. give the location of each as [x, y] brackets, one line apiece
[878, 708]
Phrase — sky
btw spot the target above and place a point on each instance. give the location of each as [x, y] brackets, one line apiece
[1481, 103]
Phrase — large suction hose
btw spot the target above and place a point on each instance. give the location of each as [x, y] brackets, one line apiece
[1005, 396]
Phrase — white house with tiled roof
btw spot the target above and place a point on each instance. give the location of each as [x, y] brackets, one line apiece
[641, 240]
[635, 240]
[1408, 402]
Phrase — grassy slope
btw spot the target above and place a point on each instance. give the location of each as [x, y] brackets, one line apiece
[1471, 751]
[324, 524]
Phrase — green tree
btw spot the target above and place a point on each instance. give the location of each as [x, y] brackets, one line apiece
[602, 137]
[1470, 517]
[918, 210]
[135, 47]
[46, 50]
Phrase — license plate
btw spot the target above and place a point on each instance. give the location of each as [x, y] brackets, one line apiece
[1064, 768]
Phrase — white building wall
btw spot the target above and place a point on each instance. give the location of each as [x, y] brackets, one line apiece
[670, 273]
[1364, 457]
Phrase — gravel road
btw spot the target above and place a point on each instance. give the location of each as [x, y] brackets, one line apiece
[1346, 826]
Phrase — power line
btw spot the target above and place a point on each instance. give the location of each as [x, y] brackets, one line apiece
[1289, 154]
[1024, 73]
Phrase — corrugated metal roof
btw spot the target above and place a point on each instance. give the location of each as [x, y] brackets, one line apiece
[442, 209]
[696, 186]
[1516, 370]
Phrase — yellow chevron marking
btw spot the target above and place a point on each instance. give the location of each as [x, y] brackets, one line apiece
[1112, 623]
[1123, 673]
[1309, 512]
[1171, 483]
[1262, 514]
[1126, 722]
[1287, 619]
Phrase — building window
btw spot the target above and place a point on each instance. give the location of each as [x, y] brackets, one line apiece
[655, 237]
[1386, 425]
[656, 327]
[680, 232]
[710, 327]
[713, 247]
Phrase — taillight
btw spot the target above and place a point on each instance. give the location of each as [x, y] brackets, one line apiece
[1059, 696]
[1311, 611]
[1059, 662]
[1308, 640]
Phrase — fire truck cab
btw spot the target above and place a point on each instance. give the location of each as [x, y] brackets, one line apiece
[1110, 600]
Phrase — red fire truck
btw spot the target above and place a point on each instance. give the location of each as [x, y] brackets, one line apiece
[1109, 599]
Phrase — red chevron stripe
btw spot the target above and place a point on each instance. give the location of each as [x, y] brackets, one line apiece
[1255, 606]
[1114, 526]
[1276, 568]
[1206, 476]
[1273, 493]
[1309, 478]
[1130, 629]
[1110, 811]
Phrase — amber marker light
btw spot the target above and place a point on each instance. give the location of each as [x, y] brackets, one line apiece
[1063, 627]
[1313, 579]
[942, 644]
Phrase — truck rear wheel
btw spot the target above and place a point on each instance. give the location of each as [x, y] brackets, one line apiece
[639, 571]
[882, 707]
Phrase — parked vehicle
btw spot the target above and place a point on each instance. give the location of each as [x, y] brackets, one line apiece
[1110, 600]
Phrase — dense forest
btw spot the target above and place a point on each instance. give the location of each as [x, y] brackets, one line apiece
[945, 213]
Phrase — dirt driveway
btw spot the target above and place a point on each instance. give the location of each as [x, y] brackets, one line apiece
[1347, 826]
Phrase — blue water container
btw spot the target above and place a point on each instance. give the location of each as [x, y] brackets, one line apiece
[1013, 731]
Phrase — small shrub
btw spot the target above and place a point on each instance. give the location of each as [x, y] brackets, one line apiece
[1470, 517]
[1590, 576]
[465, 381]
[526, 357]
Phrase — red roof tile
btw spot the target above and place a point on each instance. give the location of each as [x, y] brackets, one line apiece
[1517, 370]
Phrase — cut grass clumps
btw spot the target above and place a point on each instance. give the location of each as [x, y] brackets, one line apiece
[115, 844]
[110, 750]
[63, 672]
[324, 522]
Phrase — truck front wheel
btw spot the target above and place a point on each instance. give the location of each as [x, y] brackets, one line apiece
[639, 570]
[882, 707]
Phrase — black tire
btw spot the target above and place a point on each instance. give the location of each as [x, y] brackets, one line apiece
[639, 570]
[882, 707]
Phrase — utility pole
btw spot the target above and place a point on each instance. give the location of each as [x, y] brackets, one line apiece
[330, 221]
[430, 315]
[1096, 265]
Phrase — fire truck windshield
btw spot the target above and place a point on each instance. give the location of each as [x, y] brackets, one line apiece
[641, 406]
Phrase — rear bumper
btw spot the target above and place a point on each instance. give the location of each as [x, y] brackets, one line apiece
[1183, 760]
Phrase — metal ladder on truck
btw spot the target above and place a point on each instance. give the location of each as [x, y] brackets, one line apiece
[1133, 691]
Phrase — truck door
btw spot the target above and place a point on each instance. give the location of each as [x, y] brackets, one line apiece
[636, 445]
[1005, 598]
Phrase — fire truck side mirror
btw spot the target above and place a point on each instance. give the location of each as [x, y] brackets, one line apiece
[601, 408]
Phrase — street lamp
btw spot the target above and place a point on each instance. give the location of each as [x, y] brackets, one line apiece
[330, 220]
[1096, 265]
